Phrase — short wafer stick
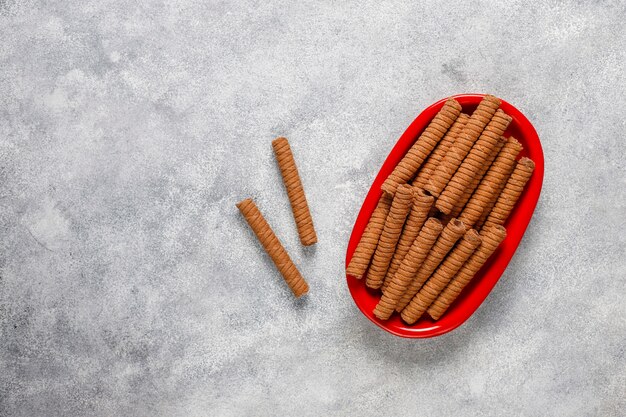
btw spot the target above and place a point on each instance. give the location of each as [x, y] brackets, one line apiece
[449, 236]
[442, 276]
[409, 266]
[467, 194]
[474, 162]
[291, 179]
[440, 151]
[369, 240]
[389, 237]
[462, 145]
[424, 145]
[422, 202]
[511, 193]
[273, 247]
[491, 238]
[492, 183]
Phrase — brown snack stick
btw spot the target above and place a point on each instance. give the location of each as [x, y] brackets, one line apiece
[440, 151]
[449, 236]
[492, 237]
[511, 192]
[473, 162]
[422, 202]
[409, 266]
[423, 146]
[467, 194]
[389, 237]
[273, 247]
[462, 145]
[291, 179]
[491, 184]
[369, 240]
[442, 276]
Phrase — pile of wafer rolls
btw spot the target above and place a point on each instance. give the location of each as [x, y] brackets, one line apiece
[301, 213]
[442, 212]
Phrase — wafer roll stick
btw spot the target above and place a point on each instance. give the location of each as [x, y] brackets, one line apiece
[291, 178]
[369, 240]
[492, 183]
[442, 276]
[467, 194]
[473, 163]
[389, 237]
[273, 247]
[511, 193]
[449, 236]
[424, 145]
[491, 238]
[409, 266]
[440, 150]
[422, 202]
[462, 145]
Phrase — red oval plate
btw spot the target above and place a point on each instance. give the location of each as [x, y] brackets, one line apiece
[478, 289]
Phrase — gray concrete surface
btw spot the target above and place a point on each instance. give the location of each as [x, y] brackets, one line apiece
[130, 286]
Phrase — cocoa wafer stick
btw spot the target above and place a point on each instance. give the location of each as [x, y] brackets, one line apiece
[422, 202]
[491, 238]
[293, 184]
[462, 145]
[473, 162]
[441, 277]
[369, 240]
[449, 236]
[407, 269]
[273, 247]
[389, 237]
[424, 145]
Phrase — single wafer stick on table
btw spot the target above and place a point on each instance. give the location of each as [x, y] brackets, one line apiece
[422, 147]
[422, 202]
[442, 276]
[440, 151]
[369, 240]
[400, 207]
[474, 162]
[492, 183]
[273, 247]
[462, 145]
[491, 239]
[511, 192]
[467, 194]
[449, 236]
[409, 266]
[293, 184]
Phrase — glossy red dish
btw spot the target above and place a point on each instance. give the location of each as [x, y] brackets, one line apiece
[479, 288]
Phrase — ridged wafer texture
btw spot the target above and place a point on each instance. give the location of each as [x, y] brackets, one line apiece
[369, 240]
[462, 145]
[440, 150]
[449, 236]
[273, 247]
[389, 237]
[491, 239]
[492, 183]
[441, 277]
[409, 266]
[295, 191]
[423, 146]
[474, 161]
[422, 202]
[511, 193]
[467, 194]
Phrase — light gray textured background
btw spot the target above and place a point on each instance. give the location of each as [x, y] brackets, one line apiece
[130, 286]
